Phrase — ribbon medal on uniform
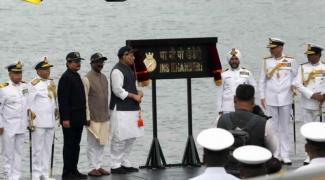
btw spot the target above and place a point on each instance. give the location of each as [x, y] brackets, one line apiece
[25, 91]
[244, 74]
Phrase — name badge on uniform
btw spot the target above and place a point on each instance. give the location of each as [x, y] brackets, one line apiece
[25, 91]
[285, 64]
[320, 84]
[244, 74]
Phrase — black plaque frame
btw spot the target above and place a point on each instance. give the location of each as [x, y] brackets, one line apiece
[156, 158]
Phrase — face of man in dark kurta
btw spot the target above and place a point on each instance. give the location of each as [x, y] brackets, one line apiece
[74, 65]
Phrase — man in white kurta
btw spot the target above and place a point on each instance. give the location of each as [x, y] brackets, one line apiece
[314, 133]
[231, 78]
[310, 82]
[13, 121]
[125, 120]
[277, 74]
[42, 101]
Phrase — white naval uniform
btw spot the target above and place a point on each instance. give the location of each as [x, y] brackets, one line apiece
[314, 163]
[314, 82]
[13, 118]
[43, 103]
[215, 173]
[231, 78]
[276, 90]
[124, 126]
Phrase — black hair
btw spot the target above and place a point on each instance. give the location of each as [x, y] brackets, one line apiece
[318, 146]
[215, 158]
[245, 92]
[273, 166]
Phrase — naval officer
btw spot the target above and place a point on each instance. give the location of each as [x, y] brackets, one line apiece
[216, 143]
[231, 78]
[42, 101]
[314, 132]
[13, 121]
[252, 160]
[277, 74]
[310, 82]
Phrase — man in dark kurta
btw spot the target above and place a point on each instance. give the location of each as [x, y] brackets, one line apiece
[72, 106]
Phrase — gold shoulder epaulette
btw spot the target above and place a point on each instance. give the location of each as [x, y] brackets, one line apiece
[2, 85]
[35, 81]
[322, 62]
[268, 57]
[52, 83]
[288, 56]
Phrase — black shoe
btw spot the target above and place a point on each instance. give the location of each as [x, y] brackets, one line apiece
[119, 170]
[306, 163]
[130, 169]
[70, 176]
[80, 175]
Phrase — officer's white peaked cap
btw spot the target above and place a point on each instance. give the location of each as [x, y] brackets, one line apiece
[314, 131]
[215, 139]
[252, 155]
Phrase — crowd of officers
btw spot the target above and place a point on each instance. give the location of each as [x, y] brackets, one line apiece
[77, 102]
[279, 81]
[222, 154]
[268, 145]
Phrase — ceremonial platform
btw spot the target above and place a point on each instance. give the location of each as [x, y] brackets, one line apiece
[171, 173]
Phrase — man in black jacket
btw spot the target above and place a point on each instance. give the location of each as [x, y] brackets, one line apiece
[72, 106]
[258, 128]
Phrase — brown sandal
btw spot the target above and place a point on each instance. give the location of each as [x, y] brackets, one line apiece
[94, 173]
[103, 172]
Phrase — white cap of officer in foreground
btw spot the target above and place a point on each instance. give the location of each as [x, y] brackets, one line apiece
[314, 132]
[252, 160]
[216, 143]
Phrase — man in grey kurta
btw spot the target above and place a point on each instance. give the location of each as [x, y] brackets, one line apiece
[96, 90]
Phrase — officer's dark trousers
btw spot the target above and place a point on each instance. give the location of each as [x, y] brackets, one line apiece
[71, 149]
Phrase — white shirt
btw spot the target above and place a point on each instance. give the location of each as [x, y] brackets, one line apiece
[215, 173]
[314, 82]
[275, 83]
[230, 80]
[42, 102]
[117, 79]
[13, 108]
[314, 163]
